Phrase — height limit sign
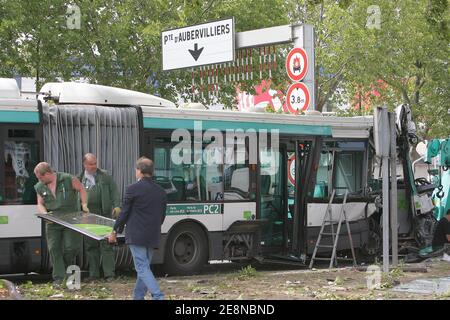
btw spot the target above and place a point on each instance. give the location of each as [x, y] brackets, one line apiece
[297, 97]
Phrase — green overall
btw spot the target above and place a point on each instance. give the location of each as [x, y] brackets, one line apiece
[63, 243]
[102, 198]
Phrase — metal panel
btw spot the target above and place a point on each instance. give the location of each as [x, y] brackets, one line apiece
[74, 219]
[188, 124]
[266, 36]
[21, 222]
[19, 116]
[354, 210]
[350, 133]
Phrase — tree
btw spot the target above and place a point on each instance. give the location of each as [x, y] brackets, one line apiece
[406, 52]
[35, 40]
[405, 60]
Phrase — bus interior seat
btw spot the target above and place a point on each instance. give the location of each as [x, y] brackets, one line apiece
[180, 185]
[240, 179]
[165, 183]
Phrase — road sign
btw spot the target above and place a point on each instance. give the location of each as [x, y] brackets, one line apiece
[291, 169]
[297, 97]
[202, 44]
[297, 64]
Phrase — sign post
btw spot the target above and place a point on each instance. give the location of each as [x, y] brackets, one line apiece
[299, 95]
[198, 45]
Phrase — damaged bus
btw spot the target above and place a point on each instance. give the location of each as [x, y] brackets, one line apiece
[240, 185]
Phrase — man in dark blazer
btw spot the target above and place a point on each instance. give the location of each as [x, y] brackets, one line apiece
[143, 212]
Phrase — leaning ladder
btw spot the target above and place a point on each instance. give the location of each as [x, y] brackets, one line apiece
[328, 222]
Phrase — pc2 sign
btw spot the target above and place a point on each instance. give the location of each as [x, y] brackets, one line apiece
[297, 97]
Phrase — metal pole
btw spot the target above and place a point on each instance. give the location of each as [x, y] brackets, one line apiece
[382, 142]
[385, 177]
[393, 198]
[304, 38]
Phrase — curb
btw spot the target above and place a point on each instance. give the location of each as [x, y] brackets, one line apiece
[13, 294]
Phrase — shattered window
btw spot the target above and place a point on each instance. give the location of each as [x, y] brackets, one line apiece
[19, 160]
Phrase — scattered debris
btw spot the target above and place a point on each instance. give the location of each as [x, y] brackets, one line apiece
[425, 286]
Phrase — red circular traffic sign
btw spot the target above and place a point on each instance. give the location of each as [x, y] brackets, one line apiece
[297, 97]
[297, 64]
[291, 169]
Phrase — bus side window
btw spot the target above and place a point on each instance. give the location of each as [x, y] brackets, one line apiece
[348, 172]
[321, 190]
[238, 178]
[190, 181]
[20, 158]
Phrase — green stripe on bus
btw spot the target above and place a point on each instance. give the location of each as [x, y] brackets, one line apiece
[160, 123]
[3, 219]
[19, 116]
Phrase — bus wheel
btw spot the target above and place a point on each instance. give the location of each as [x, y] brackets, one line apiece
[186, 250]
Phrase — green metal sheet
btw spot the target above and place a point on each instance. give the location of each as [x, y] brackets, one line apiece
[164, 123]
[19, 116]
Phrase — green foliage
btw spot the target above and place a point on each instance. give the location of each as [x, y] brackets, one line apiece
[49, 291]
[247, 272]
[338, 281]
[405, 60]
[27, 285]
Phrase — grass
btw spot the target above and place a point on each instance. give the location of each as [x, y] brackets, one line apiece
[247, 272]
[48, 291]
[338, 281]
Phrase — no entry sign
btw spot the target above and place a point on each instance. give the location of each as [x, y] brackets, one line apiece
[297, 64]
[297, 97]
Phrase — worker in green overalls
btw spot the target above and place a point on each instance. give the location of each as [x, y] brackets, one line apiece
[104, 200]
[57, 193]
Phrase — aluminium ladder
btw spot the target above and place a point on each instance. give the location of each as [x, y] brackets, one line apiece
[329, 222]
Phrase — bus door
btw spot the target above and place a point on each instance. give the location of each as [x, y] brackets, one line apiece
[274, 198]
[304, 163]
[285, 180]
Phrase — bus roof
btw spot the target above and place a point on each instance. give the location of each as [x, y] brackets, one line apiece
[12, 100]
[85, 93]
[9, 89]
[338, 127]
[163, 114]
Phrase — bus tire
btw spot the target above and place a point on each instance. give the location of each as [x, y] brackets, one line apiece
[186, 250]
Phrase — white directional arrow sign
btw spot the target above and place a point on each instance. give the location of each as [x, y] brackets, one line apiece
[202, 44]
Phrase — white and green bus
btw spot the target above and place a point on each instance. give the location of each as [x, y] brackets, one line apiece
[260, 189]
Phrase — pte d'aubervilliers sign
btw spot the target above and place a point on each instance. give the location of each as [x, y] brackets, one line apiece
[202, 44]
